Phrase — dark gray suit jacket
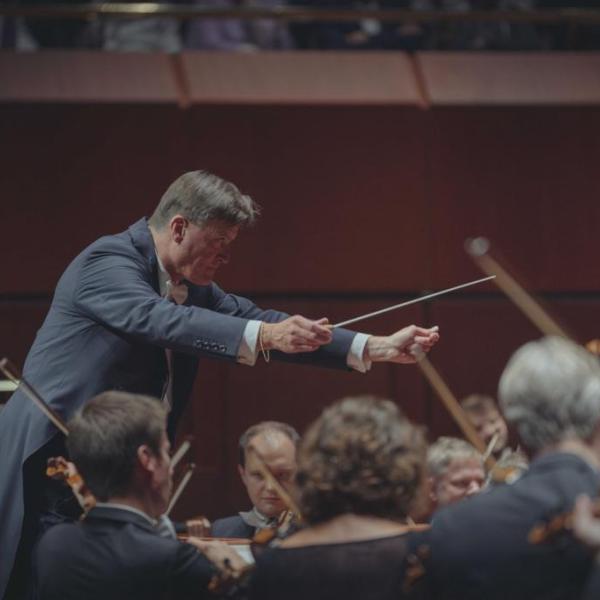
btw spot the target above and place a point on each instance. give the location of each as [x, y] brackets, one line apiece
[233, 527]
[107, 328]
[115, 554]
[479, 547]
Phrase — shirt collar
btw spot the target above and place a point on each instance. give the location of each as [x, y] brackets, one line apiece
[254, 518]
[163, 277]
[126, 507]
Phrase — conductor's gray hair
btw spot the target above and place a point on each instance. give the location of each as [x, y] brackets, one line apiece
[550, 390]
[446, 450]
[200, 196]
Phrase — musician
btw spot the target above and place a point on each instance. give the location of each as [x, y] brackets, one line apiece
[485, 417]
[360, 466]
[455, 469]
[134, 312]
[276, 444]
[550, 392]
[119, 444]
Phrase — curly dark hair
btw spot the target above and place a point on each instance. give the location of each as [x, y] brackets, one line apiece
[361, 456]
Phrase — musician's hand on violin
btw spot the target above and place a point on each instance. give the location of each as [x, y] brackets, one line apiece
[405, 346]
[224, 557]
[198, 526]
[586, 524]
[295, 334]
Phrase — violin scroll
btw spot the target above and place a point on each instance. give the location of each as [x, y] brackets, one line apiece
[60, 469]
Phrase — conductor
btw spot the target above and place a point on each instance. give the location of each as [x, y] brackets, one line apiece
[134, 312]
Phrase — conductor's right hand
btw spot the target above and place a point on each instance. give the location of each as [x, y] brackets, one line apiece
[295, 334]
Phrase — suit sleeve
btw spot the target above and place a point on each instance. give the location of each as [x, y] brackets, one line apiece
[333, 355]
[114, 289]
[591, 590]
[191, 573]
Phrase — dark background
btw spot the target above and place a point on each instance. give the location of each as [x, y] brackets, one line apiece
[371, 172]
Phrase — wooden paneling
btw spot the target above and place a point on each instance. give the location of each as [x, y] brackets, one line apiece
[366, 198]
[300, 78]
[19, 322]
[525, 178]
[74, 173]
[503, 78]
[479, 335]
[67, 76]
[341, 189]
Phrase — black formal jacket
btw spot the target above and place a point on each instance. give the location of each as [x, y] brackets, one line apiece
[234, 527]
[115, 554]
[479, 547]
[592, 587]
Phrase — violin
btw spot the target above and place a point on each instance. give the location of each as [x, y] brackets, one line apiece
[60, 469]
[564, 522]
[287, 523]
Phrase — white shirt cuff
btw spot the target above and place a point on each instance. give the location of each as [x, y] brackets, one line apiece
[248, 350]
[248, 347]
[355, 358]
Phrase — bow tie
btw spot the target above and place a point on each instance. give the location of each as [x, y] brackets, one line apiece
[177, 292]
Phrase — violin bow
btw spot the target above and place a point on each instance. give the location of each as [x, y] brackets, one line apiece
[13, 374]
[479, 250]
[180, 487]
[181, 451]
[59, 465]
[457, 412]
[286, 498]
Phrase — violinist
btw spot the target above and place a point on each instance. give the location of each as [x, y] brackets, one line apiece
[134, 312]
[455, 470]
[360, 468]
[550, 392]
[276, 444]
[489, 424]
[118, 442]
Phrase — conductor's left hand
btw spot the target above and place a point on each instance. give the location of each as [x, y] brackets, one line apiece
[405, 346]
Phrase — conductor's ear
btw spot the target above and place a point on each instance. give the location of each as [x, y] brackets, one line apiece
[178, 226]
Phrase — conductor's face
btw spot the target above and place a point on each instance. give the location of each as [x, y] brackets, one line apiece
[199, 250]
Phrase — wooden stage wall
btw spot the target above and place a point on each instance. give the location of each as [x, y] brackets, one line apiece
[371, 171]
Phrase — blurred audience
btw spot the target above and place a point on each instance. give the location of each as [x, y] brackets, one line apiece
[237, 34]
[243, 35]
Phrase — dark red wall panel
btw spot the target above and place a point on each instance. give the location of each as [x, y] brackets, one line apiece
[363, 206]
